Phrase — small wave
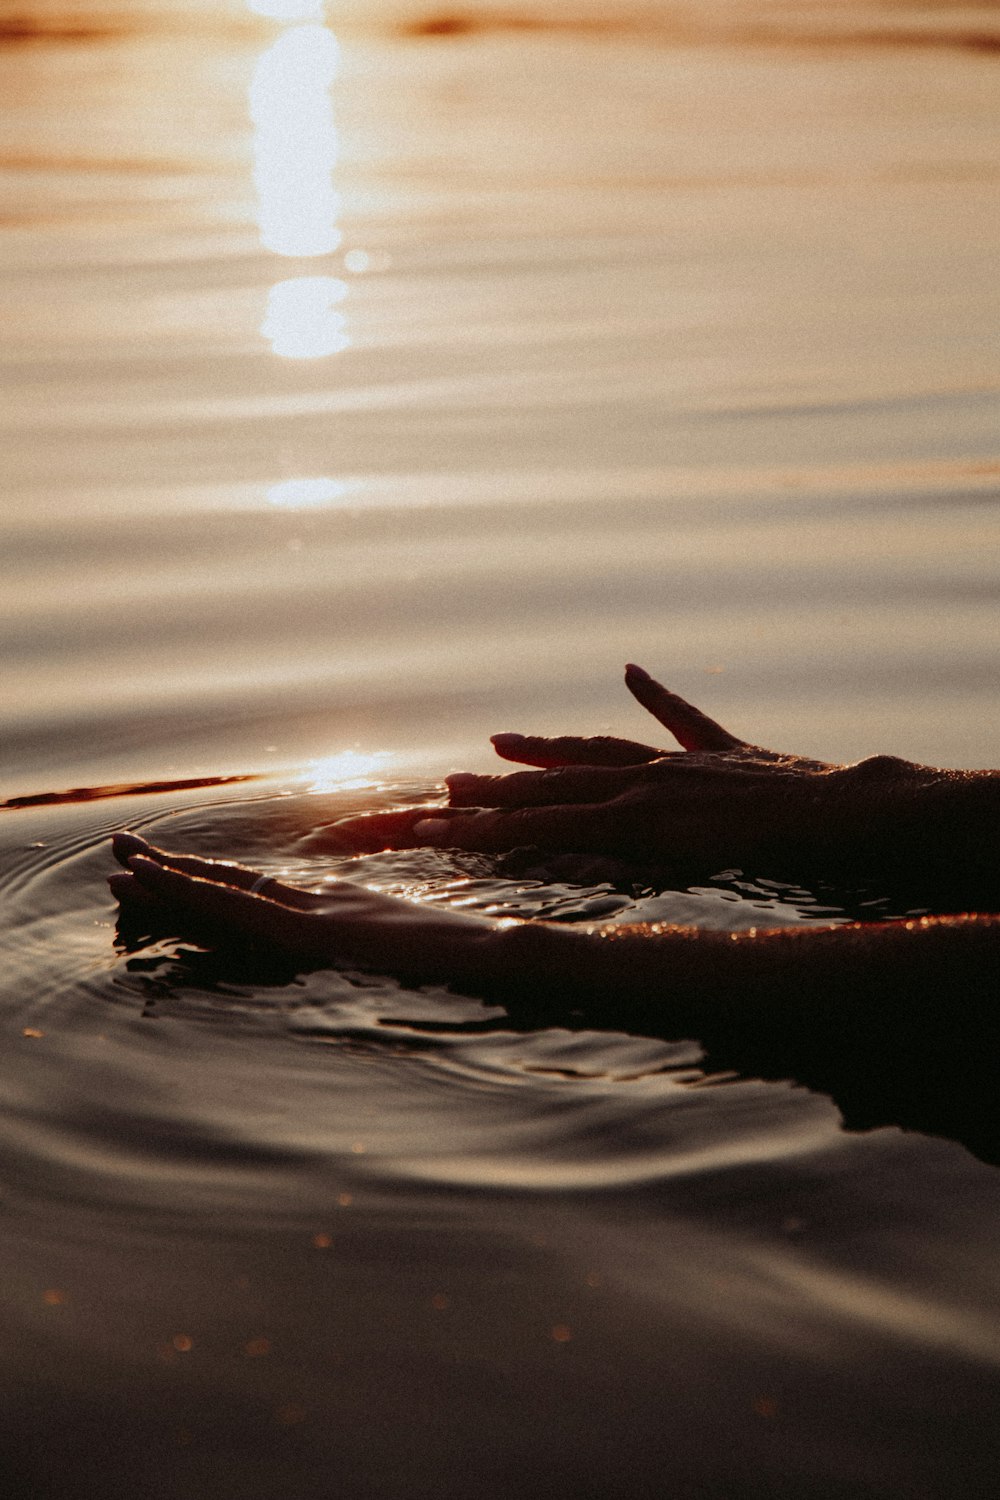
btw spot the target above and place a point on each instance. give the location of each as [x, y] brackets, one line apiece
[457, 24]
[670, 26]
[738, 25]
[120, 789]
[21, 29]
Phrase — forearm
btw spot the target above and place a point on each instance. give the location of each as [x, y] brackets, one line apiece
[696, 981]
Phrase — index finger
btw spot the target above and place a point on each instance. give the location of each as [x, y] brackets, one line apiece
[688, 725]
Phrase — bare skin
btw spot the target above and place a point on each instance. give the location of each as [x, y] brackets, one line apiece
[857, 1010]
[719, 799]
[211, 902]
[719, 802]
[697, 973]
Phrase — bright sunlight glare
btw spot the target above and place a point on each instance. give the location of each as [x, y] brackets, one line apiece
[288, 10]
[305, 494]
[295, 143]
[302, 321]
[348, 770]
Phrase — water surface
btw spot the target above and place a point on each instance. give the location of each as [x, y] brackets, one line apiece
[368, 389]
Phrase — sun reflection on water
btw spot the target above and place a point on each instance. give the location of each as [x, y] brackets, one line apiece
[289, 10]
[304, 494]
[295, 142]
[302, 320]
[348, 770]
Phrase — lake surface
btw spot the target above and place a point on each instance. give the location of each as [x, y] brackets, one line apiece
[374, 380]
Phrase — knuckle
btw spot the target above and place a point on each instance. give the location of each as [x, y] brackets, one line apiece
[880, 767]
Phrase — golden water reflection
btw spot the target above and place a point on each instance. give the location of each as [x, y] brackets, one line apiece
[295, 152]
[302, 320]
[307, 494]
[348, 770]
[288, 10]
[295, 142]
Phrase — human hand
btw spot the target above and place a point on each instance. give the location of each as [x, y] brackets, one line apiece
[826, 1006]
[717, 801]
[219, 904]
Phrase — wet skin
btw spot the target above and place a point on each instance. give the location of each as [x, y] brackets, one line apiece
[719, 802]
[830, 1006]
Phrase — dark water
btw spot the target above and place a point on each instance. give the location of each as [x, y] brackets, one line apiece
[652, 336]
[333, 1235]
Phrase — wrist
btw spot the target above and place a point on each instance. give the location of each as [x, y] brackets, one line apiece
[615, 976]
[918, 825]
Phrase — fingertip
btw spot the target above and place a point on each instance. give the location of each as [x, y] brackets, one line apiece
[522, 749]
[127, 891]
[464, 790]
[125, 844]
[636, 673]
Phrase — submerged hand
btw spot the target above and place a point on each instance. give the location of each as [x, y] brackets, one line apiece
[828, 1006]
[222, 904]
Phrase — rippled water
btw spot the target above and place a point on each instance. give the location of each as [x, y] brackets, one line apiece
[368, 390]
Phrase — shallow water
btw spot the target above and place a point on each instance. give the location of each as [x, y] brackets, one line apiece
[362, 399]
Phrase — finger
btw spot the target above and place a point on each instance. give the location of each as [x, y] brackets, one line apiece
[688, 725]
[563, 784]
[370, 833]
[221, 908]
[126, 845]
[593, 828]
[568, 750]
[128, 892]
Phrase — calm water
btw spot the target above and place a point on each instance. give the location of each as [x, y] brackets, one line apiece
[372, 382]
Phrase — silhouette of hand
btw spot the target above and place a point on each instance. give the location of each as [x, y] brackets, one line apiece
[219, 905]
[717, 801]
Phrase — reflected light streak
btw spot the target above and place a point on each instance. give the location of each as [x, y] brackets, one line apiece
[288, 10]
[295, 143]
[305, 494]
[349, 769]
[301, 321]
